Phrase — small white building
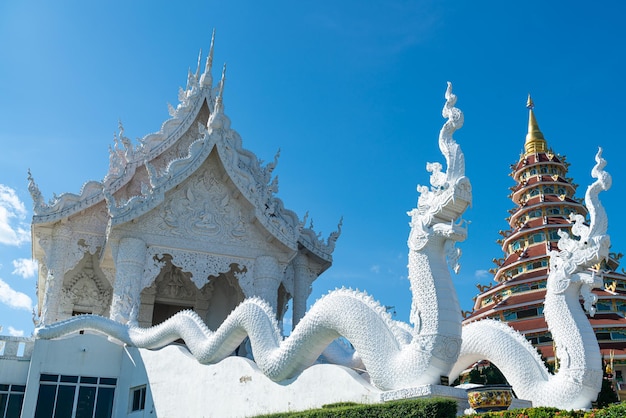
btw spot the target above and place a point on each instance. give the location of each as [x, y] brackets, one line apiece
[186, 219]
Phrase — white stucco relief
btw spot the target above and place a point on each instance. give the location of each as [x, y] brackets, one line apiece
[63, 248]
[201, 265]
[85, 293]
[205, 208]
[130, 261]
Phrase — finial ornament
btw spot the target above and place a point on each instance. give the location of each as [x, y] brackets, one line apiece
[535, 142]
[198, 65]
[222, 81]
[334, 236]
[209, 60]
[206, 80]
[35, 193]
[218, 120]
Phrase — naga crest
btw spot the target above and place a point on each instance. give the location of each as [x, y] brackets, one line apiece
[576, 256]
[450, 193]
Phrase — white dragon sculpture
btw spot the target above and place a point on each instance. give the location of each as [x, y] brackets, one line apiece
[394, 354]
[579, 378]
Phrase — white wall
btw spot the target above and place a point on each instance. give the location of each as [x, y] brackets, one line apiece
[178, 386]
[235, 387]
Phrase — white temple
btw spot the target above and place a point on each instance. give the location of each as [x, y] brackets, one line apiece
[186, 219]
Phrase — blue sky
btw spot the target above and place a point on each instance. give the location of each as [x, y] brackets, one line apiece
[351, 92]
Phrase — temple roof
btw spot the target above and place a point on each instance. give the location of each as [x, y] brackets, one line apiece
[140, 174]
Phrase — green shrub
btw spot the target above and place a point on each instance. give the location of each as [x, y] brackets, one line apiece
[410, 408]
[612, 411]
[441, 408]
[339, 405]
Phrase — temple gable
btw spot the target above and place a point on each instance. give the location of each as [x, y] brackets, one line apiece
[185, 219]
[205, 208]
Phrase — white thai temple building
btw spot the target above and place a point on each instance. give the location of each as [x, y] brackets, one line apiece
[185, 220]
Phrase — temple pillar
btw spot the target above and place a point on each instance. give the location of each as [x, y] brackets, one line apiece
[267, 277]
[129, 266]
[56, 267]
[302, 280]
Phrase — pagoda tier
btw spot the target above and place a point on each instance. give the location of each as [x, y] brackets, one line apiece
[544, 199]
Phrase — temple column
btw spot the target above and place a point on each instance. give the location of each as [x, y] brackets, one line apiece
[129, 266]
[302, 280]
[56, 266]
[267, 277]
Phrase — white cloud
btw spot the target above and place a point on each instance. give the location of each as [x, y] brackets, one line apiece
[13, 298]
[287, 323]
[25, 267]
[13, 229]
[482, 274]
[375, 269]
[16, 332]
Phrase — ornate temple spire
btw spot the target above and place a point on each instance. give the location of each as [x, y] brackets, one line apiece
[535, 142]
[218, 120]
[206, 79]
[219, 105]
[35, 193]
[197, 74]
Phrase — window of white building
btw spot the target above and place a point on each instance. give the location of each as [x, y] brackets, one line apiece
[11, 399]
[75, 396]
[138, 398]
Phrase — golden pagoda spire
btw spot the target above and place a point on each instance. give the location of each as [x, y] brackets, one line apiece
[535, 142]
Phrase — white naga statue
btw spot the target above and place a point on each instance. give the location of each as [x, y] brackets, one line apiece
[397, 355]
[394, 354]
[579, 378]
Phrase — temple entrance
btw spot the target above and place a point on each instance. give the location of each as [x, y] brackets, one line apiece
[224, 295]
[173, 291]
[163, 311]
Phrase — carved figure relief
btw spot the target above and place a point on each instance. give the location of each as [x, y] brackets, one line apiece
[86, 296]
[173, 283]
[84, 291]
[204, 207]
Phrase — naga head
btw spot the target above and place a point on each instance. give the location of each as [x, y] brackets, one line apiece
[440, 206]
[577, 260]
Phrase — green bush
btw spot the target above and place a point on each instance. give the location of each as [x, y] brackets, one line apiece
[441, 408]
[612, 411]
[339, 405]
[410, 408]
